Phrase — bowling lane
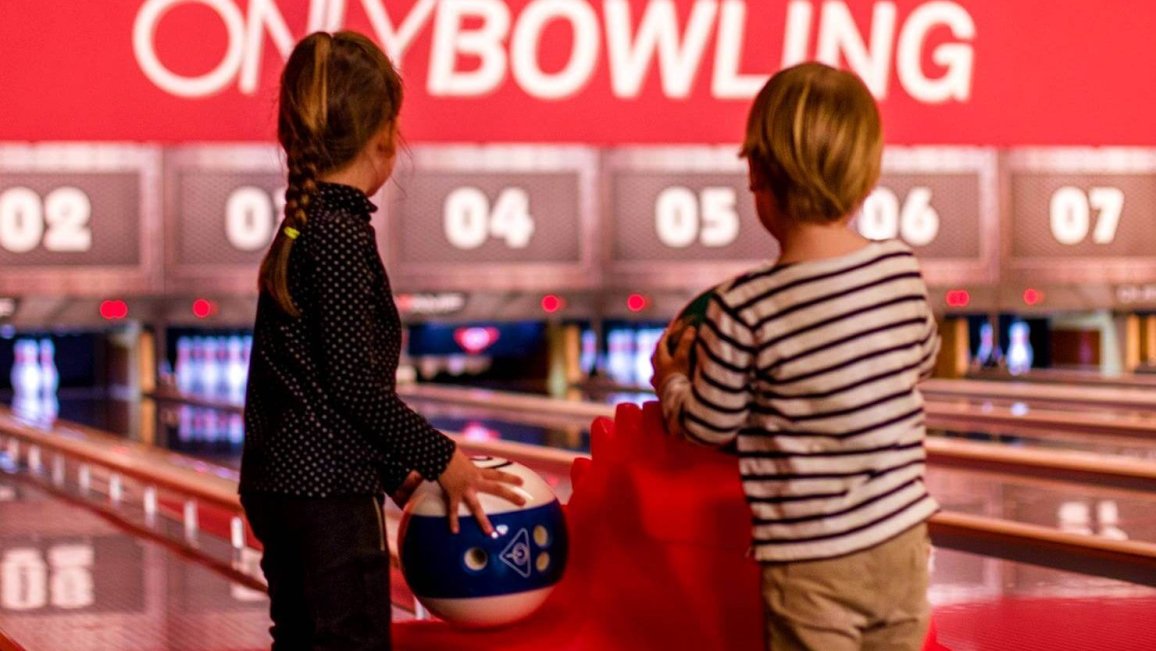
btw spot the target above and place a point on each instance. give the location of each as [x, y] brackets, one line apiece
[76, 581]
[213, 430]
[160, 600]
[1017, 496]
[1057, 503]
[1060, 376]
[1131, 401]
[537, 426]
[1044, 438]
[1043, 429]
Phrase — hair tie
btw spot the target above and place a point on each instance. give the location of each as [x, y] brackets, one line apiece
[291, 232]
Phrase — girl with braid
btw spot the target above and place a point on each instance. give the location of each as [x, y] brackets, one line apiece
[326, 434]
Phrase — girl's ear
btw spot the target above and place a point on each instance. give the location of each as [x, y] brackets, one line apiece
[386, 139]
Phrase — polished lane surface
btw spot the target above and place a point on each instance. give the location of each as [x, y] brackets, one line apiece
[979, 602]
[216, 435]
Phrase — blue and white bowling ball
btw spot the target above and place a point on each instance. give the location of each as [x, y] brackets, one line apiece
[476, 580]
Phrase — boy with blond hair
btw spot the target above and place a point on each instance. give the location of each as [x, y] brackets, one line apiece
[809, 366]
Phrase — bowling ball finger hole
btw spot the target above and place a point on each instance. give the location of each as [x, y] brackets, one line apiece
[541, 536]
[476, 559]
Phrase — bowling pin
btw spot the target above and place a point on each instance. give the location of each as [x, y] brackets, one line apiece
[223, 364]
[456, 365]
[197, 370]
[236, 432]
[185, 424]
[236, 370]
[212, 426]
[16, 374]
[478, 364]
[589, 355]
[646, 340]
[49, 407]
[1108, 514]
[618, 365]
[186, 365]
[210, 370]
[983, 356]
[246, 359]
[1075, 517]
[1019, 350]
[427, 367]
[28, 380]
[49, 375]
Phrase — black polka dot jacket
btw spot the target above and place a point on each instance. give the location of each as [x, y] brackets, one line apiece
[322, 417]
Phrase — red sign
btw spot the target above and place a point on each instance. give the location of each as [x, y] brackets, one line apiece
[980, 72]
[476, 340]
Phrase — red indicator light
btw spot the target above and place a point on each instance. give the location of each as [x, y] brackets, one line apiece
[203, 308]
[1033, 296]
[552, 303]
[958, 298]
[636, 302]
[113, 310]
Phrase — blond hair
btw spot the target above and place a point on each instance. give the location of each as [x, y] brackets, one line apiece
[337, 91]
[814, 138]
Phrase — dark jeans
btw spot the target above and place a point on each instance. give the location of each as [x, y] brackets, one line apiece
[327, 569]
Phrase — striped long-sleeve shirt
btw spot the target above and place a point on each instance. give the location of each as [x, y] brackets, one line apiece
[813, 367]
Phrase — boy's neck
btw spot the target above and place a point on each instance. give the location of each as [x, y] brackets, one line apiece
[808, 242]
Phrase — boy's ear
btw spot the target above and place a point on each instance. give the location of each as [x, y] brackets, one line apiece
[755, 177]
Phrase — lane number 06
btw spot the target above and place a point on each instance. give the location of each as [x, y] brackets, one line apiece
[884, 217]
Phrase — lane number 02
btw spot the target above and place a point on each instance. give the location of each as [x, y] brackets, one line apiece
[59, 222]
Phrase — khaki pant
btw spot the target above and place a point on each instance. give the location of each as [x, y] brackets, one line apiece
[873, 599]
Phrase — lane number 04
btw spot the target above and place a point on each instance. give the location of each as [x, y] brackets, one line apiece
[469, 220]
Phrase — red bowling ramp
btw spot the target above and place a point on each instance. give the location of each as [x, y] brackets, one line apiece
[659, 531]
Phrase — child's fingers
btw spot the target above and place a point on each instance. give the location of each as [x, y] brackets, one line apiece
[685, 343]
[475, 506]
[452, 507]
[661, 354]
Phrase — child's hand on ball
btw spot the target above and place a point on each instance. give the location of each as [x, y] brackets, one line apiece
[462, 481]
[667, 361]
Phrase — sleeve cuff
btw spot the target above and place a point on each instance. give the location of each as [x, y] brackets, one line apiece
[393, 476]
[439, 458]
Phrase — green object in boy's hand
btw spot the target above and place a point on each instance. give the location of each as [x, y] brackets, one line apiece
[691, 316]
